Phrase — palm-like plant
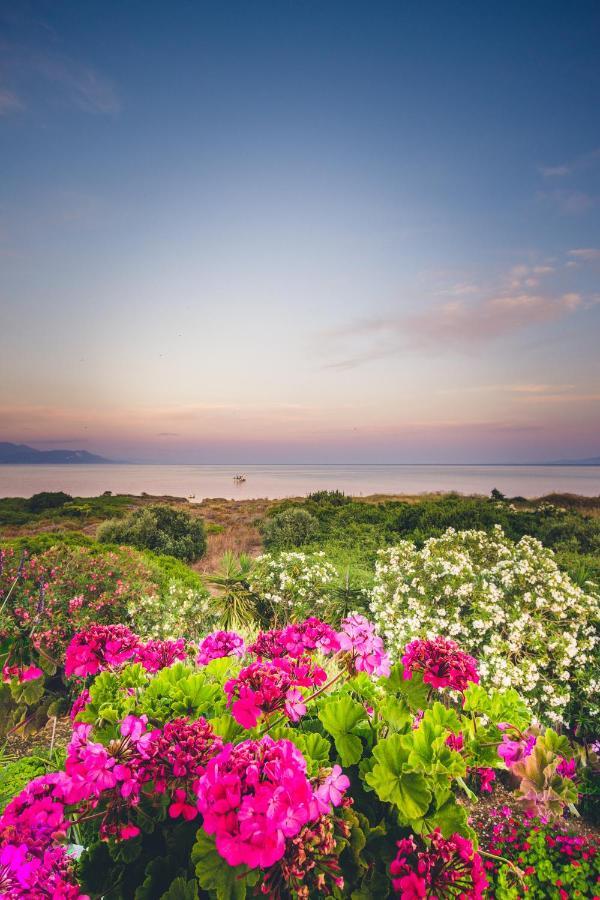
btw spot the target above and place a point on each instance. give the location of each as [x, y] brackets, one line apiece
[346, 597]
[235, 599]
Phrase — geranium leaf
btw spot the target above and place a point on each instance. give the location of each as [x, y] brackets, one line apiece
[214, 874]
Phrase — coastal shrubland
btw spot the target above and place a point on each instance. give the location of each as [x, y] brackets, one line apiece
[159, 528]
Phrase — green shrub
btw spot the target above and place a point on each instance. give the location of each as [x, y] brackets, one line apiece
[16, 774]
[47, 500]
[289, 529]
[160, 528]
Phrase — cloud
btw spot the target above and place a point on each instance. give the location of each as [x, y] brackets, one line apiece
[528, 276]
[9, 102]
[167, 434]
[72, 81]
[455, 325]
[555, 171]
[585, 161]
[526, 389]
[567, 202]
[84, 86]
[585, 254]
[460, 322]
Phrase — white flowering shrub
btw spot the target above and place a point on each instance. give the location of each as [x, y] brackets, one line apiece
[293, 584]
[508, 604]
[178, 610]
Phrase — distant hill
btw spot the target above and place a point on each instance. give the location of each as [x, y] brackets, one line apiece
[20, 454]
[591, 461]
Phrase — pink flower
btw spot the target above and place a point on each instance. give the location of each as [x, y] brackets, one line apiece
[513, 751]
[438, 867]
[21, 673]
[157, 655]
[332, 790]
[455, 741]
[442, 663]
[294, 705]
[266, 686]
[252, 797]
[296, 640]
[99, 647]
[80, 703]
[486, 779]
[567, 768]
[180, 806]
[134, 727]
[220, 644]
[365, 648]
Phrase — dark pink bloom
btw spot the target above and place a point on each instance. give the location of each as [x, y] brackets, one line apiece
[442, 663]
[438, 867]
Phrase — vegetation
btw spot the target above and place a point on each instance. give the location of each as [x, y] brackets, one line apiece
[159, 528]
[59, 508]
[182, 687]
[289, 529]
[506, 603]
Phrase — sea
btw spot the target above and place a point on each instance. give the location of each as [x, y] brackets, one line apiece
[197, 482]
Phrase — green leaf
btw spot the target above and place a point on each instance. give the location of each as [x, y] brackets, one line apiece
[450, 818]
[413, 689]
[181, 889]
[317, 747]
[393, 781]
[498, 706]
[339, 718]
[28, 692]
[395, 711]
[226, 727]
[214, 874]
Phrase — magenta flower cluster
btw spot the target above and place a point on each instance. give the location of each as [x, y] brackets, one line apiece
[220, 644]
[102, 647]
[269, 685]
[167, 760]
[156, 654]
[364, 647]
[442, 663]
[439, 868]
[296, 640]
[256, 795]
[32, 863]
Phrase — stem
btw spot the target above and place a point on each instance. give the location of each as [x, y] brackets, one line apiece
[518, 872]
[308, 699]
[53, 733]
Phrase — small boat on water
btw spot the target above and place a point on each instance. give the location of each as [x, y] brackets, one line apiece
[239, 479]
[191, 496]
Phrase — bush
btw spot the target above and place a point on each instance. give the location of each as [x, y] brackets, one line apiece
[159, 528]
[293, 585]
[46, 598]
[47, 500]
[506, 603]
[289, 529]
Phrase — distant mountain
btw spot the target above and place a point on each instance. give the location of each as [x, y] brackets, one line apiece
[591, 461]
[22, 454]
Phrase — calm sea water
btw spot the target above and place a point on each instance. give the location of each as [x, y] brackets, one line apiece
[296, 481]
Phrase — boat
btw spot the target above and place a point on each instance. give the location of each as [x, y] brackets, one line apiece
[239, 479]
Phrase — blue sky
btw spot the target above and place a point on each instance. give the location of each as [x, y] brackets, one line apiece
[301, 231]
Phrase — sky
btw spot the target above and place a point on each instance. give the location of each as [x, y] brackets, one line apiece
[301, 230]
